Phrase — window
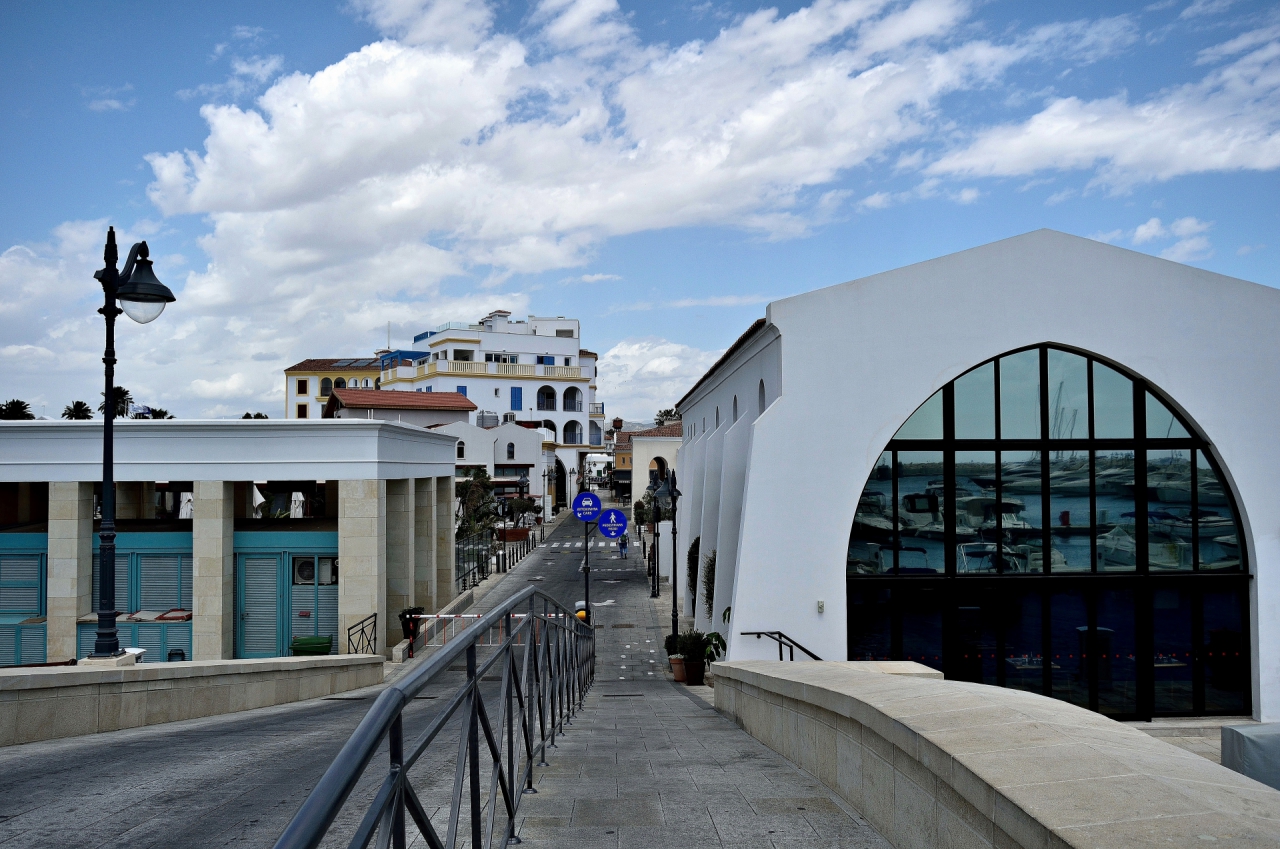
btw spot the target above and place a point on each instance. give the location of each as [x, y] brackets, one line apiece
[340, 383]
[546, 398]
[1039, 523]
[564, 334]
[326, 387]
[597, 436]
[517, 399]
[302, 411]
[462, 355]
[568, 361]
[502, 358]
[572, 433]
[21, 583]
[302, 386]
[462, 450]
[573, 400]
[511, 450]
[367, 384]
[546, 361]
[462, 390]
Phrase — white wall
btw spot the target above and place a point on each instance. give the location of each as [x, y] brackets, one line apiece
[1205, 340]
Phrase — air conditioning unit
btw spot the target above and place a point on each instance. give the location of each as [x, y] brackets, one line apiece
[304, 570]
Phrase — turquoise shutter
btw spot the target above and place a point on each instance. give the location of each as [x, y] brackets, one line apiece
[20, 583]
[159, 581]
[259, 623]
[327, 615]
[122, 583]
[185, 602]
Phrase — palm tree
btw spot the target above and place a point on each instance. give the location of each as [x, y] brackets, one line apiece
[122, 398]
[161, 413]
[664, 416]
[15, 410]
[77, 411]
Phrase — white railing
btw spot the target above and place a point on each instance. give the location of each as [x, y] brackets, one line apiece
[561, 371]
[597, 409]
[514, 369]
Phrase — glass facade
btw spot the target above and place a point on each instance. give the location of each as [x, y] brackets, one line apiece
[1049, 522]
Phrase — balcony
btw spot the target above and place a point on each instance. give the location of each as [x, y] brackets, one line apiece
[561, 371]
[597, 410]
[455, 367]
[514, 370]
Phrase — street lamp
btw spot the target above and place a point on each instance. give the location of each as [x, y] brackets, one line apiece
[653, 592]
[669, 497]
[142, 297]
[524, 487]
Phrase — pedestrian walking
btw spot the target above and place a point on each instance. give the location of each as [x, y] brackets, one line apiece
[622, 546]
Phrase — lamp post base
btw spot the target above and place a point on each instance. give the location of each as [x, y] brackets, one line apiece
[125, 658]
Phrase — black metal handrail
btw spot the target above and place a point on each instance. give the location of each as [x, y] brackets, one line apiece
[363, 636]
[540, 690]
[782, 640]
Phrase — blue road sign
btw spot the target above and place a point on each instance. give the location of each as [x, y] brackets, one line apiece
[586, 506]
[613, 524]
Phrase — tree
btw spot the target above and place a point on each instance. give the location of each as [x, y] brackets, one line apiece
[16, 410]
[77, 411]
[122, 398]
[664, 416]
[519, 508]
[477, 508]
[161, 413]
[253, 416]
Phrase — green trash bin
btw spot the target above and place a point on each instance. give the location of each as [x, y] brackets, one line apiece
[311, 645]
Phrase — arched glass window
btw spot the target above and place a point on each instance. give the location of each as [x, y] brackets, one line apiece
[462, 450]
[572, 400]
[340, 383]
[511, 450]
[546, 398]
[1047, 521]
[572, 433]
[326, 387]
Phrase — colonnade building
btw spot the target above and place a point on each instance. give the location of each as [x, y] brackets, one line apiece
[1045, 463]
[233, 537]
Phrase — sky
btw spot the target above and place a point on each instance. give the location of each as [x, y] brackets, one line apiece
[308, 173]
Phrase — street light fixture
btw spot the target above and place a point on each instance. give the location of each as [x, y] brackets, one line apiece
[668, 496]
[142, 297]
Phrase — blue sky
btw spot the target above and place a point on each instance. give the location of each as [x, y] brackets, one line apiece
[306, 173]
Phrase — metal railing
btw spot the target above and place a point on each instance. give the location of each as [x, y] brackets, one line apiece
[597, 408]
[782, 640]
[541, 688]
[363, 636]
[471, 560]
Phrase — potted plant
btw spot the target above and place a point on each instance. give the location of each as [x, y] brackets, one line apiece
[674, 657]
[698, 650]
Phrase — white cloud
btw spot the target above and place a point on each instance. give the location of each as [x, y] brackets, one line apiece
[1245, 250]
[1184, 227]
[1109, 237]
[1188, 250]
[598, 278]
[1201, 8]
[638, 377]
[1153, 229]
[247, 76]
[1227, 121]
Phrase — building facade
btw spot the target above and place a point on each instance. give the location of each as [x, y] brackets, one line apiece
[1041, 465]
[234, 537]
[307, 384]
[505, 453]
[426, 409]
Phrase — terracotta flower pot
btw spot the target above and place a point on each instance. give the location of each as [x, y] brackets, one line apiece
[694, 672]
[677, 666]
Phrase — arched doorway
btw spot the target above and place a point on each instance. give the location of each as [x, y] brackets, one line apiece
[562, 488]
[657, 470]
[1049, 522]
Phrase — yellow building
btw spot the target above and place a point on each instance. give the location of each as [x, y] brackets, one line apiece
[308, 384]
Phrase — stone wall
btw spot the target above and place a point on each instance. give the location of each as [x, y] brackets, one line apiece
[53, 702]
[934, 763]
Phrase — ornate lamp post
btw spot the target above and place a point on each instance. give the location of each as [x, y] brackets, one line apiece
[669, 497]
[657, 517]
[524, 486]
[142, 297]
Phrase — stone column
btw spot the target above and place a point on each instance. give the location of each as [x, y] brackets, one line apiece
[424, 543]
[213, 623]
[128, 500]
[148, 499]
[69, 585]
[445, 587]
[400, 558]
[362, 557]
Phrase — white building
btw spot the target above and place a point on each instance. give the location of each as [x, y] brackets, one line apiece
[527, 371]
[505, 452]
[1044, 463]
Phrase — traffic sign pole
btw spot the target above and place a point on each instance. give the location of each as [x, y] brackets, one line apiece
[586, 506]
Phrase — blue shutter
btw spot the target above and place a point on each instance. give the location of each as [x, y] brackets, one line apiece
[187, 562]
[20, 583]
[31, 644]
[8, 645]
[150, 637]
[259, 621]
[159, 582]
[122, 583]
[517, 398]
[462, 390]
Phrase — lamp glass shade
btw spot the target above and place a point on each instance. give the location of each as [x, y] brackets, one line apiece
[142, 311]
[663, 495]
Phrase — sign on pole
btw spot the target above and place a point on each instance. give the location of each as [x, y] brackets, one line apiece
[587, 506]
[613, 523]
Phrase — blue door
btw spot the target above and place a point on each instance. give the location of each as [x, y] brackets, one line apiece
[517, 399]
[258, 594]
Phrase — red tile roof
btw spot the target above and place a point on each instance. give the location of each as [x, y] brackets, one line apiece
[583, 352]
[372, 364]
[676, 430]
[376, 399]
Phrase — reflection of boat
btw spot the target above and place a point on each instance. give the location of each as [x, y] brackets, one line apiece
[1027, 663]
[1179, 525]
[979, 511]
[1114, 481]
[1116, 549]
[1208, 493]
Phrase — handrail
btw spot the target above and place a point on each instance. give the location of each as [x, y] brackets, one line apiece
[363, 636]
[540, 691]
[781, 639]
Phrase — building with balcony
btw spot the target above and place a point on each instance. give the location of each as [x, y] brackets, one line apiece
[531, 371]
[1045, 463]
[308, 384]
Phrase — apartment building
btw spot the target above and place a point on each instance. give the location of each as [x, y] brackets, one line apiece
[308, 384]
